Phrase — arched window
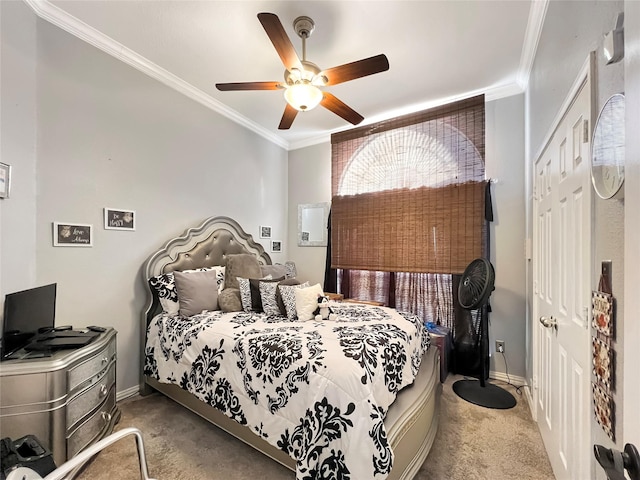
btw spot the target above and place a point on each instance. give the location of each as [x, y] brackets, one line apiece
[408, 207]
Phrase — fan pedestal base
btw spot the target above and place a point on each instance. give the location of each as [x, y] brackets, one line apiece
[489, 395]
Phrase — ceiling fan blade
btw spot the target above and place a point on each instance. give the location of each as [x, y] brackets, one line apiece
[353, 70]
[288, 117]
[337, 106]
[278, 36]
[224, 87]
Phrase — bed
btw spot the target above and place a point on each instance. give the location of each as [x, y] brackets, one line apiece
[308, 394]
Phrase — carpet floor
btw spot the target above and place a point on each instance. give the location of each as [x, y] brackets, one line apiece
[472, 443]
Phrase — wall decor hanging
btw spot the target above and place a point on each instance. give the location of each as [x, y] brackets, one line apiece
[265, 232]
[72, 234]
[602, 359]
[5, 180]
[602, 308]
[604, 410]
[602, 352]
[119, 219]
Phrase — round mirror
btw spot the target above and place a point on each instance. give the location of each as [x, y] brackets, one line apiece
[607, 148]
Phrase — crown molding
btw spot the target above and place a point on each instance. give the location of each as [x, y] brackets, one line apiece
[537, 14]
[58, 17]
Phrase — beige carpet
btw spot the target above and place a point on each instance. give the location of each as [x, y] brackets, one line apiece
[473, 443]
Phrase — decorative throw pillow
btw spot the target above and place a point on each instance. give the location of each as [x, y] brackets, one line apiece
[288, 293]
[219, 276]
[268, 297]
[279, 301]
[229, 300]
[243, 265]
[197, 291]
[165, 287]
[250, 292]
[307, 301]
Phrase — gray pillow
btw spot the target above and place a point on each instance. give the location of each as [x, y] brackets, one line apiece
[275, 271]
[229, 300]
[197, 291]
[244, 265]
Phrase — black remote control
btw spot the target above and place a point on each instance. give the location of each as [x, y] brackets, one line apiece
[93, 328]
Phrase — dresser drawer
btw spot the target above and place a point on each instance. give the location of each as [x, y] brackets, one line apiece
[94, 427]
[86, 401]
[92, 366]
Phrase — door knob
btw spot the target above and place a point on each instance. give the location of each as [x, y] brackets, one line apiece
[549, 322]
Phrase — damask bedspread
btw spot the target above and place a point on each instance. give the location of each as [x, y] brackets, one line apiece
[318, 390]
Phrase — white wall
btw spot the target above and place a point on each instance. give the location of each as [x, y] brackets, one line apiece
[505, 163]
[310, 182]
[108, 136]
[18, 146]
[631, 333]
[571, 30]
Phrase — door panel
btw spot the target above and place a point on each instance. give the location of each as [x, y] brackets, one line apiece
[562, 207]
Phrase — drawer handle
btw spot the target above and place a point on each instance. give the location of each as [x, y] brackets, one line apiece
[103, 390]
[106, 416]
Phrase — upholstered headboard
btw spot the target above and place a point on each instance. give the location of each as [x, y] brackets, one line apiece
[204, 246]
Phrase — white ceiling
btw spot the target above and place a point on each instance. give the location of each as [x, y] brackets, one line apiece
[438, 51]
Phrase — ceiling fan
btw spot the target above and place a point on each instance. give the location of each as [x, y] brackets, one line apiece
[302, 78]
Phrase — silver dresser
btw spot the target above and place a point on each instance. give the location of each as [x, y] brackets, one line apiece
[67, 400]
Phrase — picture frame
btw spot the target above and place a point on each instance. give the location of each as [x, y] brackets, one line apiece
[602, 319]
[119, 219]
[5, 180]
[602, 363]
[604, 410]
[67, 234]
[265, 231]
[276, 246]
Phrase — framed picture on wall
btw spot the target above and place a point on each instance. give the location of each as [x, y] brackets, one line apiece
[265, 232]
[276, 246]
[72, 234]
[119, 219]
[5, 180]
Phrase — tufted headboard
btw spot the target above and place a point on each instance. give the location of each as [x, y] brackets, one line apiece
[204, 246]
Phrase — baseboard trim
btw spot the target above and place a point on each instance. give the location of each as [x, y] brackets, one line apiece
[513, 379]
[129, 392]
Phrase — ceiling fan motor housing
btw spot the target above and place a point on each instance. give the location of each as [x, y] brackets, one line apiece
[304, 26]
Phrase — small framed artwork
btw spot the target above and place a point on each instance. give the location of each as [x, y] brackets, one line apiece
[276, 246]
[119, 219]
[602, 360]
[5, 180]
[602, 311]
[265, 232]
[72, 235]
[603, 409]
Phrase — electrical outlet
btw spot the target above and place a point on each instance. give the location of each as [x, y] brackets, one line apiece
[500, 346]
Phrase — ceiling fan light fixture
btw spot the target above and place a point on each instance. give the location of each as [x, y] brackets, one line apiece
[303, 96]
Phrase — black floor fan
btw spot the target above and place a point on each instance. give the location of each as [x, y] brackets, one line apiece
[475, 287]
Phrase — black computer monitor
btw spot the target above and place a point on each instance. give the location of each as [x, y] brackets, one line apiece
[25, 314]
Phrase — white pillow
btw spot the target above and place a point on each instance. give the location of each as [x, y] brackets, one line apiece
[288, 293]
[307, 301]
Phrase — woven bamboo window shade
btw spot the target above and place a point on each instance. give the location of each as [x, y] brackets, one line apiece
[409, 193]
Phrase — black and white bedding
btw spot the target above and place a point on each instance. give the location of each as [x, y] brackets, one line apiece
[318, 390]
